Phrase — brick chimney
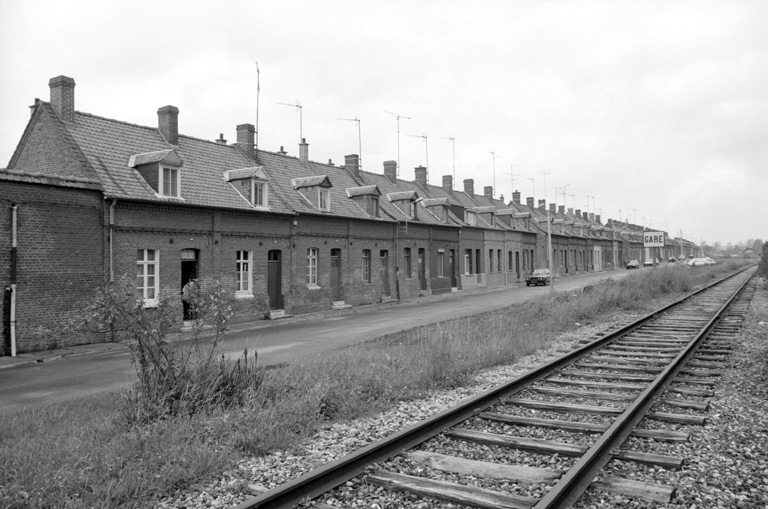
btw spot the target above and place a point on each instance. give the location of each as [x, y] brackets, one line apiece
[585, 215]
[390, 171]
[469, 186]
[561, 209]
[352, 164]
[591, 216]
[282, 151]
[552, 208]
[529, 202]
[597, 218]
[245, 139]
[304, 151]
[570, 210]
[421, 176]
[168, 123]
[578, 212]
[542, 204]
[63, 97]
[221, 140]
[516, 197]
[448, 184]
[488, 192]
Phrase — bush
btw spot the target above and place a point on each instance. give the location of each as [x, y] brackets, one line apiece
[174, 379]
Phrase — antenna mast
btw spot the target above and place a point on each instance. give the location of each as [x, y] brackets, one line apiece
[301, 127]
[426, 148]
[493, 160]
[453, 142]
[258, 91]
[359, 139]
[398, 137]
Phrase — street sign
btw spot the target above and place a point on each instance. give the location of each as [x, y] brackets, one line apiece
[653, 239]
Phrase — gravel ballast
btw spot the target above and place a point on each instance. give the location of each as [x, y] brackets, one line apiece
[726, 461]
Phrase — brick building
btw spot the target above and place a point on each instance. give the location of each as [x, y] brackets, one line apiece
[87, 199]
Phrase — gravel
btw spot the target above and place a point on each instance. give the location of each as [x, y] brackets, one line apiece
[726, 460]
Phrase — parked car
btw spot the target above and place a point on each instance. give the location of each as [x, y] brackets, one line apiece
[672, 259]
[698, 262]
[633, 264]
[538, 276]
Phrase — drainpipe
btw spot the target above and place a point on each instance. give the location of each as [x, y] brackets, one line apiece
[397, 259]
[111, 240]
[14, 242]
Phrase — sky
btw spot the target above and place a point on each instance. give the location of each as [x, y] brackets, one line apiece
[650, 111]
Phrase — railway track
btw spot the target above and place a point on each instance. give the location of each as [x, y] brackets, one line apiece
[543, 439]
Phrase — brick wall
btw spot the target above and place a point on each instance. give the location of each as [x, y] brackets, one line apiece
[60, 260]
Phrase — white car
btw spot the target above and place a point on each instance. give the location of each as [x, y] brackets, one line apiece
[698, 262]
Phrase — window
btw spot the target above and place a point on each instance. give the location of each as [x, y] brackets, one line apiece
[366, 265]
[441, 263]
[324, 199]
[146, 272]
[500, 260]
[413, 210]
[490, 260]
[312, 266]
[169, 182]
[407, 262]
[259, 193]
[468, 262]
[471, 218]
[243, 270]
[374, 206]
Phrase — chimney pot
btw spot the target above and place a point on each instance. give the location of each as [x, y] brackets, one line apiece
[168, 123]
[221, 139]
[488, 192]
[245, 139]
[282, 151]
[330, 162]
[421, 176]
[448, 184]
[63, 97]
[469, 186]
[304, 151]
[390, 171]
[352, 164]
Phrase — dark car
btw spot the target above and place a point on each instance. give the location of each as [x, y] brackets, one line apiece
[633, 264]
[539, 276]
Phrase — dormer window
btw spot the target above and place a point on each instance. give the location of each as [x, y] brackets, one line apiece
[470, 217]
[161, 170]
[252, 185]
[324, 199]
[413, 210]
[366, 197]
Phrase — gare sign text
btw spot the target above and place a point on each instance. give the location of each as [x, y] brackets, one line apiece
[653, 239]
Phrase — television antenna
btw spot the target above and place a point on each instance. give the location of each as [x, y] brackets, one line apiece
[513, 175]
[453, 142]
[426, 149]
[398, 116]
[493, 160]
[359, 139]
[299, 108]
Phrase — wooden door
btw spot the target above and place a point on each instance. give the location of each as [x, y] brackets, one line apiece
[384, 258]
[452, 267]
[335, 274]
[422, 268]
[275, 279]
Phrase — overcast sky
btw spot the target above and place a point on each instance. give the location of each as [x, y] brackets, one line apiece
[657, 109]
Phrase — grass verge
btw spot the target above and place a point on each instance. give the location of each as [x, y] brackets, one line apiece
[84, 453]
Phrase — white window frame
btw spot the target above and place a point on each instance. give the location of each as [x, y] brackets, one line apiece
[162, 192]
[143, 265]
[324, 194]
[366, 266]
[244, 275]
[413, 209]
[471, 218]
[312, 256]
[255, 183]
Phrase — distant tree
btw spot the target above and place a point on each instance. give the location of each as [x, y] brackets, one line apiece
[763, 268]
[757, 245]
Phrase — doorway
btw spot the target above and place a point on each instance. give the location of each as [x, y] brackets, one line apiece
[188, 273]
[275, 279]
[422, 268]
[384, 258]
[335, 274]
[452, 267]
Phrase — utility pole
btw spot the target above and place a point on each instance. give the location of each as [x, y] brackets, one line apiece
[359, 140]
[549, 237]
[398, 136]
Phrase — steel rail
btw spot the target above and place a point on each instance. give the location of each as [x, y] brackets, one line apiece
[330, 475]
[577, 479]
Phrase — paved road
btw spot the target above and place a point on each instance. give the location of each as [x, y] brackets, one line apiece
[94, 369]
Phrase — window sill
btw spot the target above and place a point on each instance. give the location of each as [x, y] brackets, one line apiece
[313, 287]
[243, 295]
[151, 303]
